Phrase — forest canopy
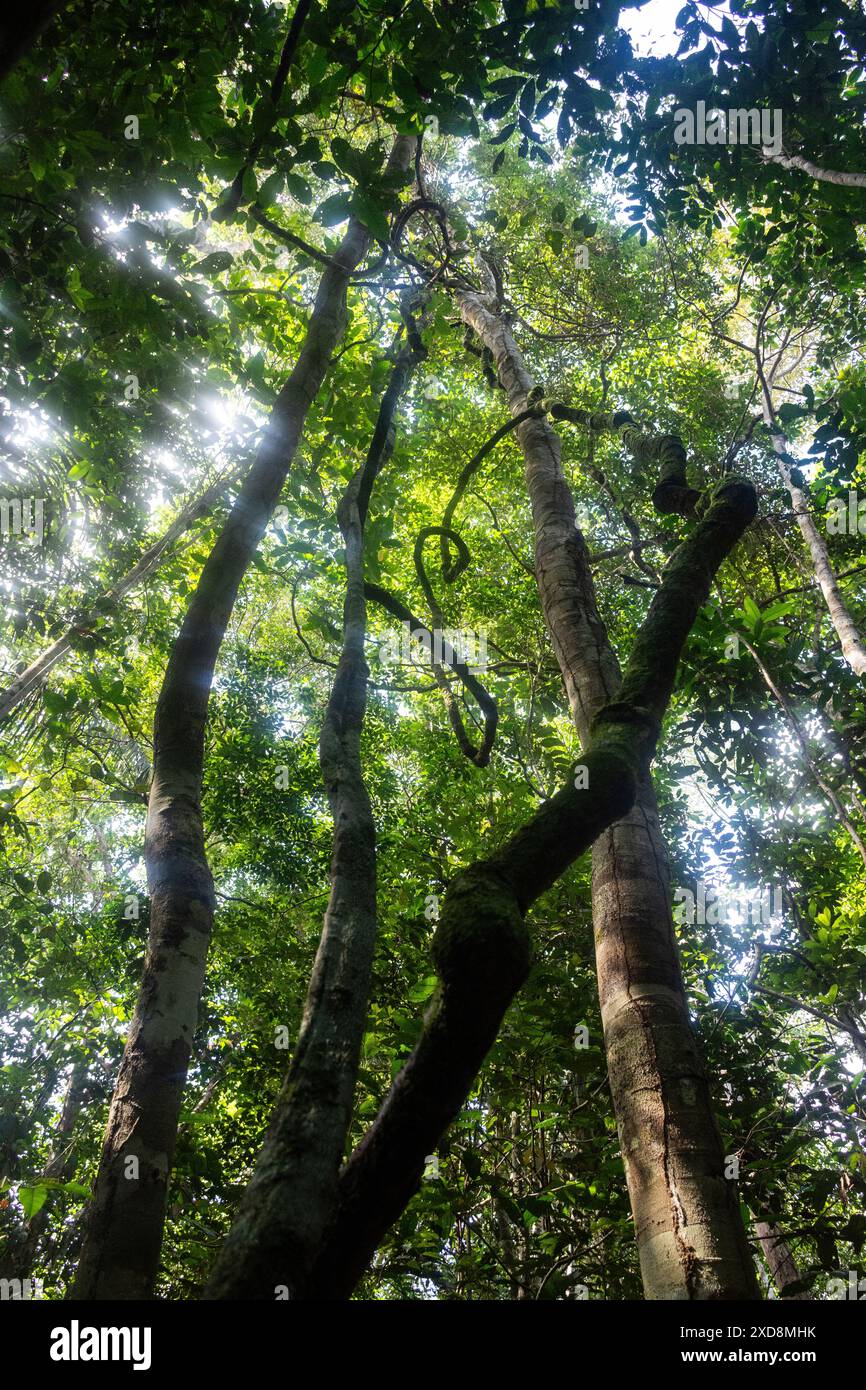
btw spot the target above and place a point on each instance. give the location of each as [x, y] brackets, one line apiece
[432, 724]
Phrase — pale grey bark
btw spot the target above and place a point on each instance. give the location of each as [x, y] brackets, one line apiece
[853, 648]
[843, 177]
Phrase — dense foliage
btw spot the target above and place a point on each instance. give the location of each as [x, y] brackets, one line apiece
[168, 211]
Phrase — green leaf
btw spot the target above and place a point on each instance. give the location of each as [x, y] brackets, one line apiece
[751, 611]
[368, 211]
[553, 236]
[423, 990]
[271, 189]
[32, 1199]
[336, 209]
[217, 261]
[777, 610]
[299, 188]
[350, 160]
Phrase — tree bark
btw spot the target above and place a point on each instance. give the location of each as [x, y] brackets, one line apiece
[779, 1260]
[689, 1230]
[120, 1256]
[481, 947]
[845, 178]
[690, 1236]
[853, 648]
[290, 1199]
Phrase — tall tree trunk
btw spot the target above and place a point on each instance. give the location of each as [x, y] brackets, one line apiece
[120, 1256]
[291, 1197]
[481, 945]
[690, 1234]
[689, 1231]
[853, 648]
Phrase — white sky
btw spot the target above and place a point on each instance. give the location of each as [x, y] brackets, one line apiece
[652, 27]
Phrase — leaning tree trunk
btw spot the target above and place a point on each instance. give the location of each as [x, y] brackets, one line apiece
[780, 1261]
[481, 947]
[853, 648]
[125, 1219]
[90, 613]
[690, 1234]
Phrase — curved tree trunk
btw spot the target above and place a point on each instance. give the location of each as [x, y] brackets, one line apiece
[690, 1233]
[481, 946]
[291, 1197]
[120, 1256]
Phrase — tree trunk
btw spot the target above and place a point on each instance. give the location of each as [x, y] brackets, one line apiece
[690, 1233]
[847, 178]
[779, 1260]
[481, 945]
[38, 669]
[120, 1255]
[291, 1197]
[19, 1258]
[690, 1236]
[849, 636]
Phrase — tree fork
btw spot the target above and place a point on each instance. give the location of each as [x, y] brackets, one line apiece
[690, 1233]
[481, 947]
